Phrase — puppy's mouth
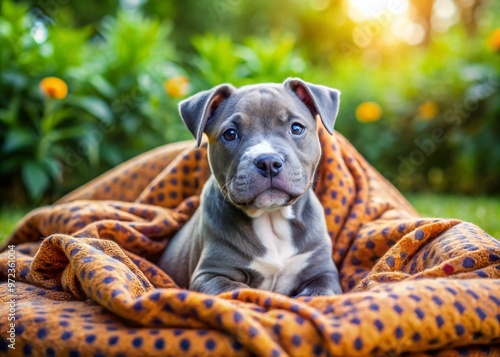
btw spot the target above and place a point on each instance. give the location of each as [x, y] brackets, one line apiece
[270, 199]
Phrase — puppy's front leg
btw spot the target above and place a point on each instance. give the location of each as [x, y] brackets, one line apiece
[321, 285]
[215, 284]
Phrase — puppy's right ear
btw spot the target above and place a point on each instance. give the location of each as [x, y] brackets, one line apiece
[197, 109]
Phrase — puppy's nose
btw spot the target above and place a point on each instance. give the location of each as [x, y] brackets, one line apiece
[269, 165]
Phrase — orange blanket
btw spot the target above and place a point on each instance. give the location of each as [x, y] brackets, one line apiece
[413, 286]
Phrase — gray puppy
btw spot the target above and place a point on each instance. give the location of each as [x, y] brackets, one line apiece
[259, 225]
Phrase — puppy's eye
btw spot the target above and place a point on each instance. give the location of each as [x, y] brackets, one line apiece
[297, 129]
[230, 135]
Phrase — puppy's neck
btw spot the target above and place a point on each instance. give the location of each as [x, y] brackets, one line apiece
[286, 212]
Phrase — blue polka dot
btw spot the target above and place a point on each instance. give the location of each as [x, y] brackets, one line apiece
[27, 350]
[398, 309]
[450, 290]
[420, 314]
[459, 307]
[398, 332]
[74, 353]
[370, 245]
[253, 331]
[439, 321]
[113, 340]
[19, 329]
[137, 342]
[4, 346]
[355, 261]
[185, 345]
[108, 279]
[374, 307]
[385, 231]
[296, 340]
[182, 296]
[390, 261]
[472, 293]
[208, 303]
[155, 296]
[237, 316]
[416, 337]
[236, 346]
[42, 333]
[468, 263]
[277, 329]
[419, 234]
[210, 345]
[90, 338]
[49, 352]
[159, 343]
[358, 344]
[482, 315]
[299, 320]
[379, 325]
[459, 329]
[138, 306]
[495, 300]
[318, 350]
[494, 257]
[437, 300]
[66, 335]
[335, 337]
[355, 321]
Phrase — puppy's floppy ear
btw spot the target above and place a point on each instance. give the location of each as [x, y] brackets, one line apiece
[318, 99]
[197, 109]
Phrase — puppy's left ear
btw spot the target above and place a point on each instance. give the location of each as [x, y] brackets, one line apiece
[318, 99]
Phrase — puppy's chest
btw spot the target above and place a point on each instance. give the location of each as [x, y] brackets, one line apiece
[281, 263]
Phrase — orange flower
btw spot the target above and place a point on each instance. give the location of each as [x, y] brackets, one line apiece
[494, 40]
[177, 87]
[54, 87]
[428, 110]
[368, 112]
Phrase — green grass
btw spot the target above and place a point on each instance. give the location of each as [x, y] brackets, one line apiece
[8, 219]
[482, 211]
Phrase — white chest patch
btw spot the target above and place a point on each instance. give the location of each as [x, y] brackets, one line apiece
[280, 264]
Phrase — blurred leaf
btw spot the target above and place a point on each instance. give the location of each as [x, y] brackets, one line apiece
[95, 106]
[53, 167]
[19, 138]
[35, 178]
[102, 86]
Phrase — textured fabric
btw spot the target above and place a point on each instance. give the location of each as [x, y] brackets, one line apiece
[413, 286]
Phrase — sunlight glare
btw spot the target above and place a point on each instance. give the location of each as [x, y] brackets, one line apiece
[361, 10]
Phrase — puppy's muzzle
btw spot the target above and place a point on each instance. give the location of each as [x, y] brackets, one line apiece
[269, 165]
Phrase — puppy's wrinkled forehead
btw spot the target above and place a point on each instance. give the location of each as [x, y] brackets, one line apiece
[263, 102]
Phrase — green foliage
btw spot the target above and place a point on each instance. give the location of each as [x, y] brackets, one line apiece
[221, 60]
[115, 59]
[115, 82]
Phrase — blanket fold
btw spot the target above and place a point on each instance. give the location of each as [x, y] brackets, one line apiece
[86, 283]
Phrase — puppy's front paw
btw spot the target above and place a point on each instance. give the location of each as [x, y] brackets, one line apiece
[316, 291]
